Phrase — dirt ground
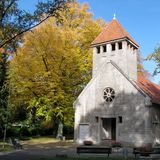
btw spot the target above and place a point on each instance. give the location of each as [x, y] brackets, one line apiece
[39, 148]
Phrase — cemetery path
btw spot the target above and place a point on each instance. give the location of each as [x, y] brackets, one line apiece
[40, 150]
[35, 153]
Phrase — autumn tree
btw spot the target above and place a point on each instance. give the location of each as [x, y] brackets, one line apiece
[141, 71]
[13, 23]
[54, 64]
[156, 58]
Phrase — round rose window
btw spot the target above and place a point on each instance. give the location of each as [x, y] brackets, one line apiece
[109, 94]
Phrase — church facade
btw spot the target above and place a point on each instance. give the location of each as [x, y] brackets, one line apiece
[117, 104]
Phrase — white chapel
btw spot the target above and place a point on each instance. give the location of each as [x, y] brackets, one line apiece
[117, 104]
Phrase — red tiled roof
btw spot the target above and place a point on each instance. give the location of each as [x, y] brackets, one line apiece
[150, 88]
[112, 31]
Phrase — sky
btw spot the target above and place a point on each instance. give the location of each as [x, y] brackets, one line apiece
[140, 18]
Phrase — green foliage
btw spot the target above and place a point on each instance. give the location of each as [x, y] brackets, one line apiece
[12, 20]
[4, 92]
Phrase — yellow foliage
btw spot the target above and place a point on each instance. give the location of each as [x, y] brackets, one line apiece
[55, 58]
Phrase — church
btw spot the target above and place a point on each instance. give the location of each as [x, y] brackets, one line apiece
[117, 104]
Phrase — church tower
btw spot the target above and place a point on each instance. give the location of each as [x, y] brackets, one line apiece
[116, 104]
[115, 44]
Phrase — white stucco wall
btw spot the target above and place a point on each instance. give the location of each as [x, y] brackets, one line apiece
[125, 58]
[129, 103]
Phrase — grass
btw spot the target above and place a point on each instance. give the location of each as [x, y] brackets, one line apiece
[46, 142]
[29, 141]
[41, 139]
[5, 147]
[37, 142]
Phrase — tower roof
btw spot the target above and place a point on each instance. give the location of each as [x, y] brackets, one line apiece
[113, 31]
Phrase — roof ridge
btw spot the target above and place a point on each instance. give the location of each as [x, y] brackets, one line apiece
[113, 31]
[122, 29]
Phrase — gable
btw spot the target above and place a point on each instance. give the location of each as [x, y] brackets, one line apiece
[110, 75]
[126, 90]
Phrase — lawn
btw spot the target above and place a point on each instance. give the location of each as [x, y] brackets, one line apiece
[43, 139]
[5, 147]
[37, 142]
[45, 142]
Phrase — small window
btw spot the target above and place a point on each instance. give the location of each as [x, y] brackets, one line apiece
[120, 119]
[104, 48]
[128, 45]
[134, 48]
[113, 47]
[120, 45]
[97, 119]
[98, 49]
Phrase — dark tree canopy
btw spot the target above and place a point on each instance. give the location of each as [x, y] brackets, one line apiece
[14, 21]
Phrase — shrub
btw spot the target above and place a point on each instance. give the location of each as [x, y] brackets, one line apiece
[87, 143]
[145, 148]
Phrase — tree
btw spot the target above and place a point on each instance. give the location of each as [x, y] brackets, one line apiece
[4, 92]
[13, 23]
[141, 70]
[156, 58]
[54, 64]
